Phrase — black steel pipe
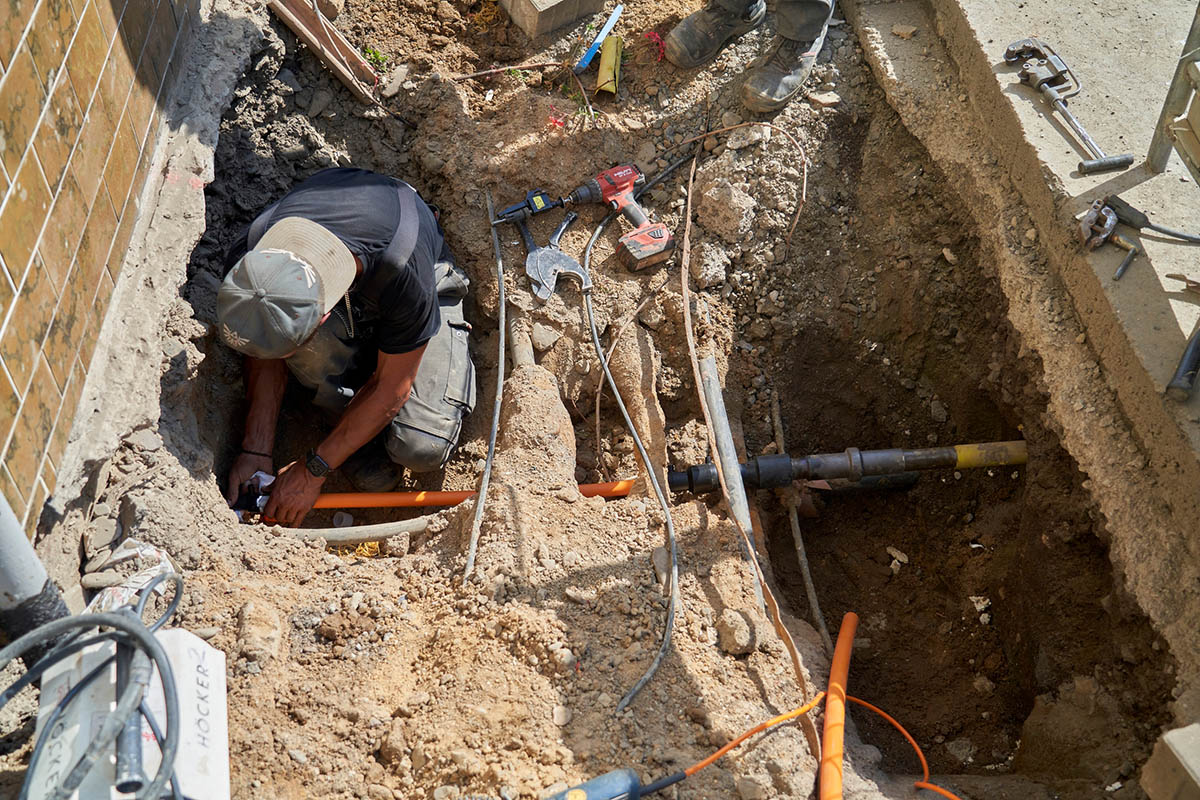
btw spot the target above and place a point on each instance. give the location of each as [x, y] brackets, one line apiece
[775, 471]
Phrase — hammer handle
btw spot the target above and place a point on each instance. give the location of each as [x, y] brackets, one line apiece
[1106, 164]
[1180, 387]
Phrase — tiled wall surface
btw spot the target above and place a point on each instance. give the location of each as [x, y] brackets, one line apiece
[81, 82]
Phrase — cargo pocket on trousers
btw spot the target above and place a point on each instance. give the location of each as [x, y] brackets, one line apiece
[460, 382]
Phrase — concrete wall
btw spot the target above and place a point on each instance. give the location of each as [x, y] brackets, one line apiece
[81, 84]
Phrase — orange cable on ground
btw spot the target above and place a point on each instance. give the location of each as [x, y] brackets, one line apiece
[924, 782]
[423, 499]
[834, 729]
[762, 726]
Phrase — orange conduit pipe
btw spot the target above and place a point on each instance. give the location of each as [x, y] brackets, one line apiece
[834, 730]
[924, 782]
[424, 499]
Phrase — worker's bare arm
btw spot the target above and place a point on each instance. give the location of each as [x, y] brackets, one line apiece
[265, 383]
[295, 488]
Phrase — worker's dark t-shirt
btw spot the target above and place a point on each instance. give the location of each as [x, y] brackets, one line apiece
[397, 302]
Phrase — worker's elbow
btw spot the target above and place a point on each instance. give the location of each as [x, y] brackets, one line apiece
[398, 401]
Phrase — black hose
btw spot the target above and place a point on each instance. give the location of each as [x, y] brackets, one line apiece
[1187, 237]
[127, 630]
[45, 662]
[158, 738]
[673, 601]
[144, 596]
[52, 720]
[502, 323]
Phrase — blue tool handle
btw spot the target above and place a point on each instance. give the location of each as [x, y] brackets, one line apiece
[620, 784]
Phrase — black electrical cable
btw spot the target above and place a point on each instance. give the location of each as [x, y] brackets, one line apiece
[136, 634]
[144, 596]
[52, 720]
[673, 601]
[1187, 237]
[50, 659]
[158, 738]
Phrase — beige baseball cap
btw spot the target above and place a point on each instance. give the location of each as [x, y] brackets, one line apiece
[277, 294]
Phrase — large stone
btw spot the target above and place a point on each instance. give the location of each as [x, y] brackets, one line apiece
[331, 8]
[733, 633]
[726, 210]
[260, 632]
[708, 265]
[749, 788]
[536, 17]
[394, 744]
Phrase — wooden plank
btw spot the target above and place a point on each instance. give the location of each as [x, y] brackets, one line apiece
[329, 45]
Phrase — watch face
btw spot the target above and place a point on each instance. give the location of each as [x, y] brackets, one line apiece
[316, 465]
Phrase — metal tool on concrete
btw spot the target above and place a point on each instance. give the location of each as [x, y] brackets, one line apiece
[1043, 69]
[649, 243]
[775, 471]
[1138, 219]
[543, 265]
[1180, 387]
[1099, 225]
[1174, 127]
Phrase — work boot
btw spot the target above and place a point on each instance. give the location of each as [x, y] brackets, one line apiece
[370, 469]
[772, 84]
[698, 38]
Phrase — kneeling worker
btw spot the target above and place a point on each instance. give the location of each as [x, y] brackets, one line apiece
[347, 283]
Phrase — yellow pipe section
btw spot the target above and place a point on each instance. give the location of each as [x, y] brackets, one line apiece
[991, 454]
[610, 65]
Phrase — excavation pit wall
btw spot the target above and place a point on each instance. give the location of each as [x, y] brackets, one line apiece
[386, 677]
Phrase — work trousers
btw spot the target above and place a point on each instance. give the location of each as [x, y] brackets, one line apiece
[421, 437]
[802, 20]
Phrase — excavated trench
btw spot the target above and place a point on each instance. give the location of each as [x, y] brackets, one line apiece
[993, 625]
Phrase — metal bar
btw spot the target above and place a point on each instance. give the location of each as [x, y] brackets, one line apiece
[1176, 101]
[1076, 126]
[810, 588]
[739, 506]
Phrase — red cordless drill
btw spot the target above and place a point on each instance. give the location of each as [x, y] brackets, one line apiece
[649, 243]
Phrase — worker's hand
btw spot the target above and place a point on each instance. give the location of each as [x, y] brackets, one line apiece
[292, 495]
[244, 466]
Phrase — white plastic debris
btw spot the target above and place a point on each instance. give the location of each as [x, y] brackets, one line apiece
[152, 562]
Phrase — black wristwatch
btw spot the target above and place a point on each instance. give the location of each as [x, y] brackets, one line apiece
[316, 465]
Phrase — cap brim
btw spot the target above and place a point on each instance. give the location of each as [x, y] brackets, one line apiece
[320, 248]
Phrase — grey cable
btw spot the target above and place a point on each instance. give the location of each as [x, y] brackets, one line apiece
[810, 588]
[637, 441]
[481, 497]
[673, 601]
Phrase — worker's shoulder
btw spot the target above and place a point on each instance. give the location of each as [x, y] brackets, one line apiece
[347, 176]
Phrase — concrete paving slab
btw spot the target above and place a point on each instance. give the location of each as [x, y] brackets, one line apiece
[1173, 771]
[1125, 56]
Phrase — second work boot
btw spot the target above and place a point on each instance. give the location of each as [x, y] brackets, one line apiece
[370, 469]
[698, 38]
[777, 80]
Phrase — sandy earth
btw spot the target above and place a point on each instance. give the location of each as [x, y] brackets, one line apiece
[884, 324]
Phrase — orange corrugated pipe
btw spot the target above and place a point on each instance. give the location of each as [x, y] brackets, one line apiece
[421, 499]
[834, 731]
